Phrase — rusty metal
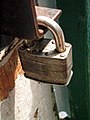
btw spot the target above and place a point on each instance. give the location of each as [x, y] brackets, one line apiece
[48, 12]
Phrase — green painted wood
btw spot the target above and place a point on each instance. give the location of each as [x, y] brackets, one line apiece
[75, 21]
[88, 43]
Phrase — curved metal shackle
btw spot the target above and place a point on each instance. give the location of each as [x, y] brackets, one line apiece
[55, 29]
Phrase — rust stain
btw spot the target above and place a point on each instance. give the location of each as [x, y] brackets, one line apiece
[8, 74]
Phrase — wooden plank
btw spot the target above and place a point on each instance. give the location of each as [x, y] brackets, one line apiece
[18, 18]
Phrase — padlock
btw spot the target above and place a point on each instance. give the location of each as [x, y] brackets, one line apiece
[48, 60]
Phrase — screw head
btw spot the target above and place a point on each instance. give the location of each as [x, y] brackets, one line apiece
[28, 50]
[22, 48]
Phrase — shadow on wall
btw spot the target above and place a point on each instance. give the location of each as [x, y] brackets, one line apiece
[43, 106]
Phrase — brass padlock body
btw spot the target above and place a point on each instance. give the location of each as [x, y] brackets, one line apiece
[42, 63]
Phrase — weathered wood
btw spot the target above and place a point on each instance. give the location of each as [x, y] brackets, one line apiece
[18, 18]
[42, 63]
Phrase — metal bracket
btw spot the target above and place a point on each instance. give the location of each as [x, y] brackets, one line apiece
[49, 12]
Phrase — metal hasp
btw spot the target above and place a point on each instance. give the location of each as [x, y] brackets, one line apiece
[9, 42]
[18, 19]
[47, 60]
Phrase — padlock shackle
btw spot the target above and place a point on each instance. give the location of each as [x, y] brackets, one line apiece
[55, 29]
